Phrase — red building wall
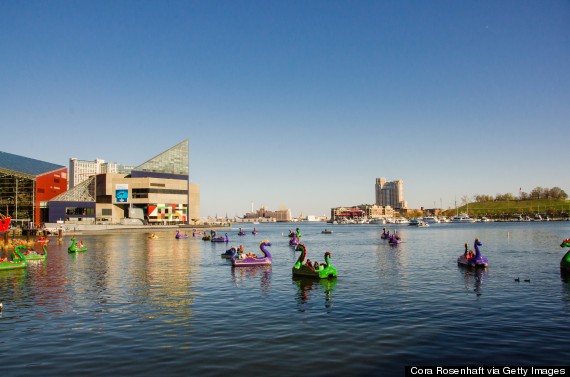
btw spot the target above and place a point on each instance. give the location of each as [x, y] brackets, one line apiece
[48, 186]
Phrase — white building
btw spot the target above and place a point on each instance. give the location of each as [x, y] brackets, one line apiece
[80, 170]
[390, 193]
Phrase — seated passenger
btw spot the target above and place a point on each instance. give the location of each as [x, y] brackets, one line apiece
[316, 265]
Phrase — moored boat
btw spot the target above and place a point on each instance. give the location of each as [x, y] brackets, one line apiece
[18, 262]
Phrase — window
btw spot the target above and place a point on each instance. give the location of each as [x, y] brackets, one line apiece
[106, 212]
[79, 211]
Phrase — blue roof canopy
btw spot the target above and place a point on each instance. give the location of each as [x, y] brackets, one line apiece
[26, 165]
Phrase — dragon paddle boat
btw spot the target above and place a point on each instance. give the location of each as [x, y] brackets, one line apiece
[313, 270]
[473, 259]
[254, 231]
[196, 234]
[253, 260]
[32, 254]
[385, 234]
[42, 239]
[241, 232]
[19, 261]
[208, 237]
[565, 262]
[296, 233]
[179, 236]
[75, 247]
[219, 239]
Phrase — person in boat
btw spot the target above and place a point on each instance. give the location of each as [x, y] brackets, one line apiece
[309, 263]
[316, 265]
[251, 255]
[241, 254]
[468, 253]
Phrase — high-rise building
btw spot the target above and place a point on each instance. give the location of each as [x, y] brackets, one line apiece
[80, 170]
[390, 193]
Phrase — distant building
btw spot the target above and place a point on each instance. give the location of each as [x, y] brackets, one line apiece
[363, 211]
[26, 184]
[282, 214]
[390, 193]
[81, 170]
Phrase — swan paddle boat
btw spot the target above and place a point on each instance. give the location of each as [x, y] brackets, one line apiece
[565, 262]
[32, 254]
[196, 234]
[253, 260]
[254, 231]
[219, 239]
[179, 236]
[473, 259]
[17, 262]
[294, 241]
[314, 270]
[297, 233]
[385, 234]
[394, 239]
[153, 236]
[231, 251]
[75, 247]
[241, 232]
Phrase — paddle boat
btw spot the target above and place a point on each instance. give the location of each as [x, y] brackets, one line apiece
[231, 251]
[253, 260]
[241, 232]
[294, 241]
[196, 234]
[42, 239]
[470, 259]
[254, 231]
[314, 270]
[153, 236]
[565, 262]
[394, 239]
[179, 236]
[16, 262]
[219, 239]
[32, 254]
[75, 247]
[208, 237]
[385, 234]
[327, 231]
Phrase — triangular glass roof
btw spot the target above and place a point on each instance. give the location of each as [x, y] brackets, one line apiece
[26, 165]
[83, 192]
[172, 161]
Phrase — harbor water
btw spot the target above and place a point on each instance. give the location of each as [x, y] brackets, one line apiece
[131, 305]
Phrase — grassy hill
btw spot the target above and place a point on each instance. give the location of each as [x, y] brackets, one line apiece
[548, 207]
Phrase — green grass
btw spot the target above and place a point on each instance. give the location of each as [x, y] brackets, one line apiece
[550, 207]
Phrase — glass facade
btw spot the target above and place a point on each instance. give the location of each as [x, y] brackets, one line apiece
[17, 196]
[172, 161]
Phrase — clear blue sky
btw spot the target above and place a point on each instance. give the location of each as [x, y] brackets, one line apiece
[300, 104]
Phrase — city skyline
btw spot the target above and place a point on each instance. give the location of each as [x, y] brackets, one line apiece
[297, 104]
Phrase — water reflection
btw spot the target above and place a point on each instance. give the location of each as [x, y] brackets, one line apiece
[263, 273]
[308, 288]
[473, 278]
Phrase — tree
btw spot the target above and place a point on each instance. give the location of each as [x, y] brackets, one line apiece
[537, 193]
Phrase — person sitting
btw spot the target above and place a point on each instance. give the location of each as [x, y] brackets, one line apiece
[309, 263]
[241, 254]
[316, 265]
[251, 255]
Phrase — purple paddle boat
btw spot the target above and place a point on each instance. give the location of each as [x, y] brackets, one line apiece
[470, 259]
[219, 239]
[253, 261]
[294, 241]
[179, 236]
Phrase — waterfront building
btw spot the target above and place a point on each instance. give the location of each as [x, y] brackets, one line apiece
[26, 185]
[390, 194]
[156, 192]
[283, 214]
[81, 170]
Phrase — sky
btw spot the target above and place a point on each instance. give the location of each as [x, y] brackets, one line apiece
[300, 104]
